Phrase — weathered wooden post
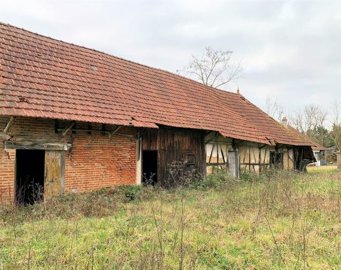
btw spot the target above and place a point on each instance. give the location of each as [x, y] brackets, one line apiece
[338, 154]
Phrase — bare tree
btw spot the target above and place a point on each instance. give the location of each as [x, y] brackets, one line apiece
[274, 109]
[311, 118]
[336, 128]
[213, 68]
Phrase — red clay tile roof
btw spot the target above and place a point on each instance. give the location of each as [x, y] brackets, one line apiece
[314, 145]
[43, 77]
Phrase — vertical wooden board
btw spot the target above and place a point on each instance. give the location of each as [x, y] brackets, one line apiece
[291, 159]
[285, 159]
[138, 160]
[178, 146]
[54, 174]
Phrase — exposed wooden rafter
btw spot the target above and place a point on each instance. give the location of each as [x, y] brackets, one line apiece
[9, 124]
[114, 131]
[65, 131]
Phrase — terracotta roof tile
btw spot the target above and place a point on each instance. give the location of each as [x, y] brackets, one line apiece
[43, 77]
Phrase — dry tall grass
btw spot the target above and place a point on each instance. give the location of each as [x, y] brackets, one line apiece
[277, 221]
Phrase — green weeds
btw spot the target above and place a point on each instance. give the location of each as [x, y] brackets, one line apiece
[274, 221]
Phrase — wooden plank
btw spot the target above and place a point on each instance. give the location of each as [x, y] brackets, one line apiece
[115, 131]
[260, 158]
[9, 124]
[249, 149]
[176, 147]
[68, 128]
[216, 164]
[31, 145]
[252, 164]
[218, 152]
[54, 174]
[4, 136]
[222, 155]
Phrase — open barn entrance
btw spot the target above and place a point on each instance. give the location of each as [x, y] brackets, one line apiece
[149, 167]
[30, 166]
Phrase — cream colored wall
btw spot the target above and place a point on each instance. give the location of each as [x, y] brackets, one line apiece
[288, 159]
[255, 158]
[220, 145]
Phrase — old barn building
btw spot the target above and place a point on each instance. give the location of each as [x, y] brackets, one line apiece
[74, 119]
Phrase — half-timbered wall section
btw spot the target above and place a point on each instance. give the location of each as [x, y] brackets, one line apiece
[78, 156]
[254, 157]
[243, 157]
[221, 154]
[258, 158]
[180, 152]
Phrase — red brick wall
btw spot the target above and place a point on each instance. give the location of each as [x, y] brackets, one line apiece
[7, 166]
[95, 161]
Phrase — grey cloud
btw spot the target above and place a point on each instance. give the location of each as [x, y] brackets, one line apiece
[289, 49]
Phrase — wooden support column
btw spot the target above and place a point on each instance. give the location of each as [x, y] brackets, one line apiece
[338, 160]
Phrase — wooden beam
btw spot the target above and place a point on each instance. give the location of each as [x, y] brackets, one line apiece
[216, 164]
[4, 136]
[89, 128]
[30, 145]
[252, 164]
[9, 124]
[68, 128]
[114, 131]
[103, 129]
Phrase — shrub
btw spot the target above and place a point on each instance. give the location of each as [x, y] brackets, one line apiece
[130, 192]
[214, 180]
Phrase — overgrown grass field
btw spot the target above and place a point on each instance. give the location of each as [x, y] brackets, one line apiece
[278, 221]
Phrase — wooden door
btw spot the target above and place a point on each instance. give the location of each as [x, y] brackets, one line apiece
[54, 174]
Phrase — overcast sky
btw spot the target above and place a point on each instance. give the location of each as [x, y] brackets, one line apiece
[290, 51]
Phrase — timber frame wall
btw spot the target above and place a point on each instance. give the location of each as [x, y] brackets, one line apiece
[257, 158]
[238, 157]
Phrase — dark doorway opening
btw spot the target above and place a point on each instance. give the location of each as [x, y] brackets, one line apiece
[276, 160]
[149, 167]
[30, 166]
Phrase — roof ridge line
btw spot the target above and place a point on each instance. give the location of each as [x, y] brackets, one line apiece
[111, 56]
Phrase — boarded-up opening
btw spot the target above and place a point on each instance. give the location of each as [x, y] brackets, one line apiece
[149, 167]
[29, 176]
